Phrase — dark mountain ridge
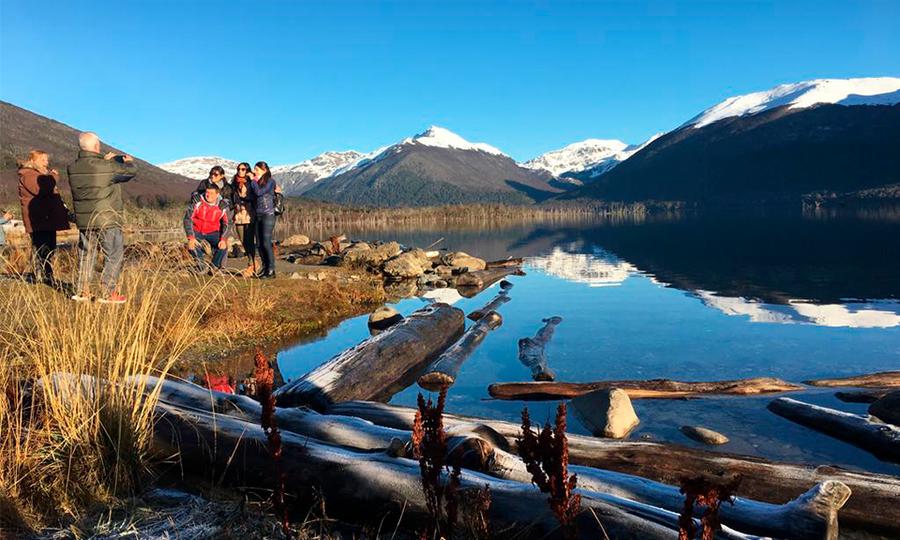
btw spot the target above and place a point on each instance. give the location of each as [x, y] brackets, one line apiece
[22, 130]
[776, 156]
[420, 175]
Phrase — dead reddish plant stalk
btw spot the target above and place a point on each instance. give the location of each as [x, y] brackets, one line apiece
[429, 441]
[265, 378]
[546, 456]
[707, 492]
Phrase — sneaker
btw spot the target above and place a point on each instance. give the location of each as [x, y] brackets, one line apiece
[81, 298]
[113, 298]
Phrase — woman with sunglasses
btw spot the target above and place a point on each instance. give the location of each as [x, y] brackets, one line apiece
[244, 202]
[263, 187]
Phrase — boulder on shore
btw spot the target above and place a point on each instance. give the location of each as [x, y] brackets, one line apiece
[461, 259]
[606, 412]
[383, 318]
[704, 435]
[357, 253]
[887, 409]
[410, 264]
[295, 240]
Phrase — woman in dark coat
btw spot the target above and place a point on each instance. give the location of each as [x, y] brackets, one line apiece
[263, 187]
[43, 211]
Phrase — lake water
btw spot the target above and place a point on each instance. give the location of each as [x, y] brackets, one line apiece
[698, 297]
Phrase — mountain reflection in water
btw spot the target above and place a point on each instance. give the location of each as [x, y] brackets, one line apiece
[697, 297]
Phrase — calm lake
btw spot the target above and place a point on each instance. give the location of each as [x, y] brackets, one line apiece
[698, 297]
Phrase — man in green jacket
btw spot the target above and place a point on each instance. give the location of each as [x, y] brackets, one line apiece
[96, 183]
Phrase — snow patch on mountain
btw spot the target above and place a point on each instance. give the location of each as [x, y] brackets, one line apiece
[198, 167]
[577, 157]
[320, 166]
[863, 91]
[444, 138]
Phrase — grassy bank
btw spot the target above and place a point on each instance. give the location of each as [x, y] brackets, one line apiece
[76, 443]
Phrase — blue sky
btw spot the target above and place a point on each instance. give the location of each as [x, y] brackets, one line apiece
[283, 81]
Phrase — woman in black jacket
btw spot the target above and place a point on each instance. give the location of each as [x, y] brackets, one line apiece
[244, 203]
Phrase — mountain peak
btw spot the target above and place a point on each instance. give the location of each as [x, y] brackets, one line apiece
[439, 137]
[862, 91]
[580, 156]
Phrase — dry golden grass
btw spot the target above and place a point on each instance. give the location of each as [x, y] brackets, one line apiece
[82, 435]
[84, 438]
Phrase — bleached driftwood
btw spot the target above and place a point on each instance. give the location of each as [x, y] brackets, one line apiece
[533, 351]
[813, 515]
[382, 364]
[470, 284]
[443, 372]
[505, 263]
[882, 440]
[494, 304]
[368, 486]
[641, 389]
[871, 507]
[883, 379]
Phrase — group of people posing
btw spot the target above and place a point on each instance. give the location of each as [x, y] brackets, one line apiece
[245, 206]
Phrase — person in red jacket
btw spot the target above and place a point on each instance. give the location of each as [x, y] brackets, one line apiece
[208, 219]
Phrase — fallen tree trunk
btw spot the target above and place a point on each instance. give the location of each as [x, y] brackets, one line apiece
[882, 440]
[812, 516]
[381, 365]
[443, 372]
[636, 389]
[470, 284]
[883, 379]
[495, 303]
[872, 507]
[864, 396]
[370, 485]
[505, 263]
[533, 351]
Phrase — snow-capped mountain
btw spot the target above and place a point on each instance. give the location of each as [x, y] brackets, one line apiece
[299, 177]
[436, 166]
[586, 160]
[198, 167]
[802, 95]
[833, 136]
[577, 157]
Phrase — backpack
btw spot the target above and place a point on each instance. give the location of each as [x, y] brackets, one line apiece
[279, 204]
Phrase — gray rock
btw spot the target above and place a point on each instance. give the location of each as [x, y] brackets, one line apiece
[887, 409]
[704, 435]
[606, 412]
[295, 240]
[358, 253]
[407, 265]
[461, 259]
[383, 318]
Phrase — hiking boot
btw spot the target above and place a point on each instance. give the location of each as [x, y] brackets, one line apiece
[113, 298]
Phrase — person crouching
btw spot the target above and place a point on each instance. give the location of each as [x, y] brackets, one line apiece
[208, 219]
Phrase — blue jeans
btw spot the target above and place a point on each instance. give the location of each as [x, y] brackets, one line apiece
[218, 254]
[265, 226]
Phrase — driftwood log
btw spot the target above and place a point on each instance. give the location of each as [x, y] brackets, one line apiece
[861, 396]
[470, 284]
[883, 379]
[368, 486]
[882, 440]
[505, 263]
[811, 516]
[640, 389]
[495, 303]
[872, 506]
[533, 351]
[443, 372]
[381, 365]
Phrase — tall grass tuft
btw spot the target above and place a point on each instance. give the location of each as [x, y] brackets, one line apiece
[76, 418]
